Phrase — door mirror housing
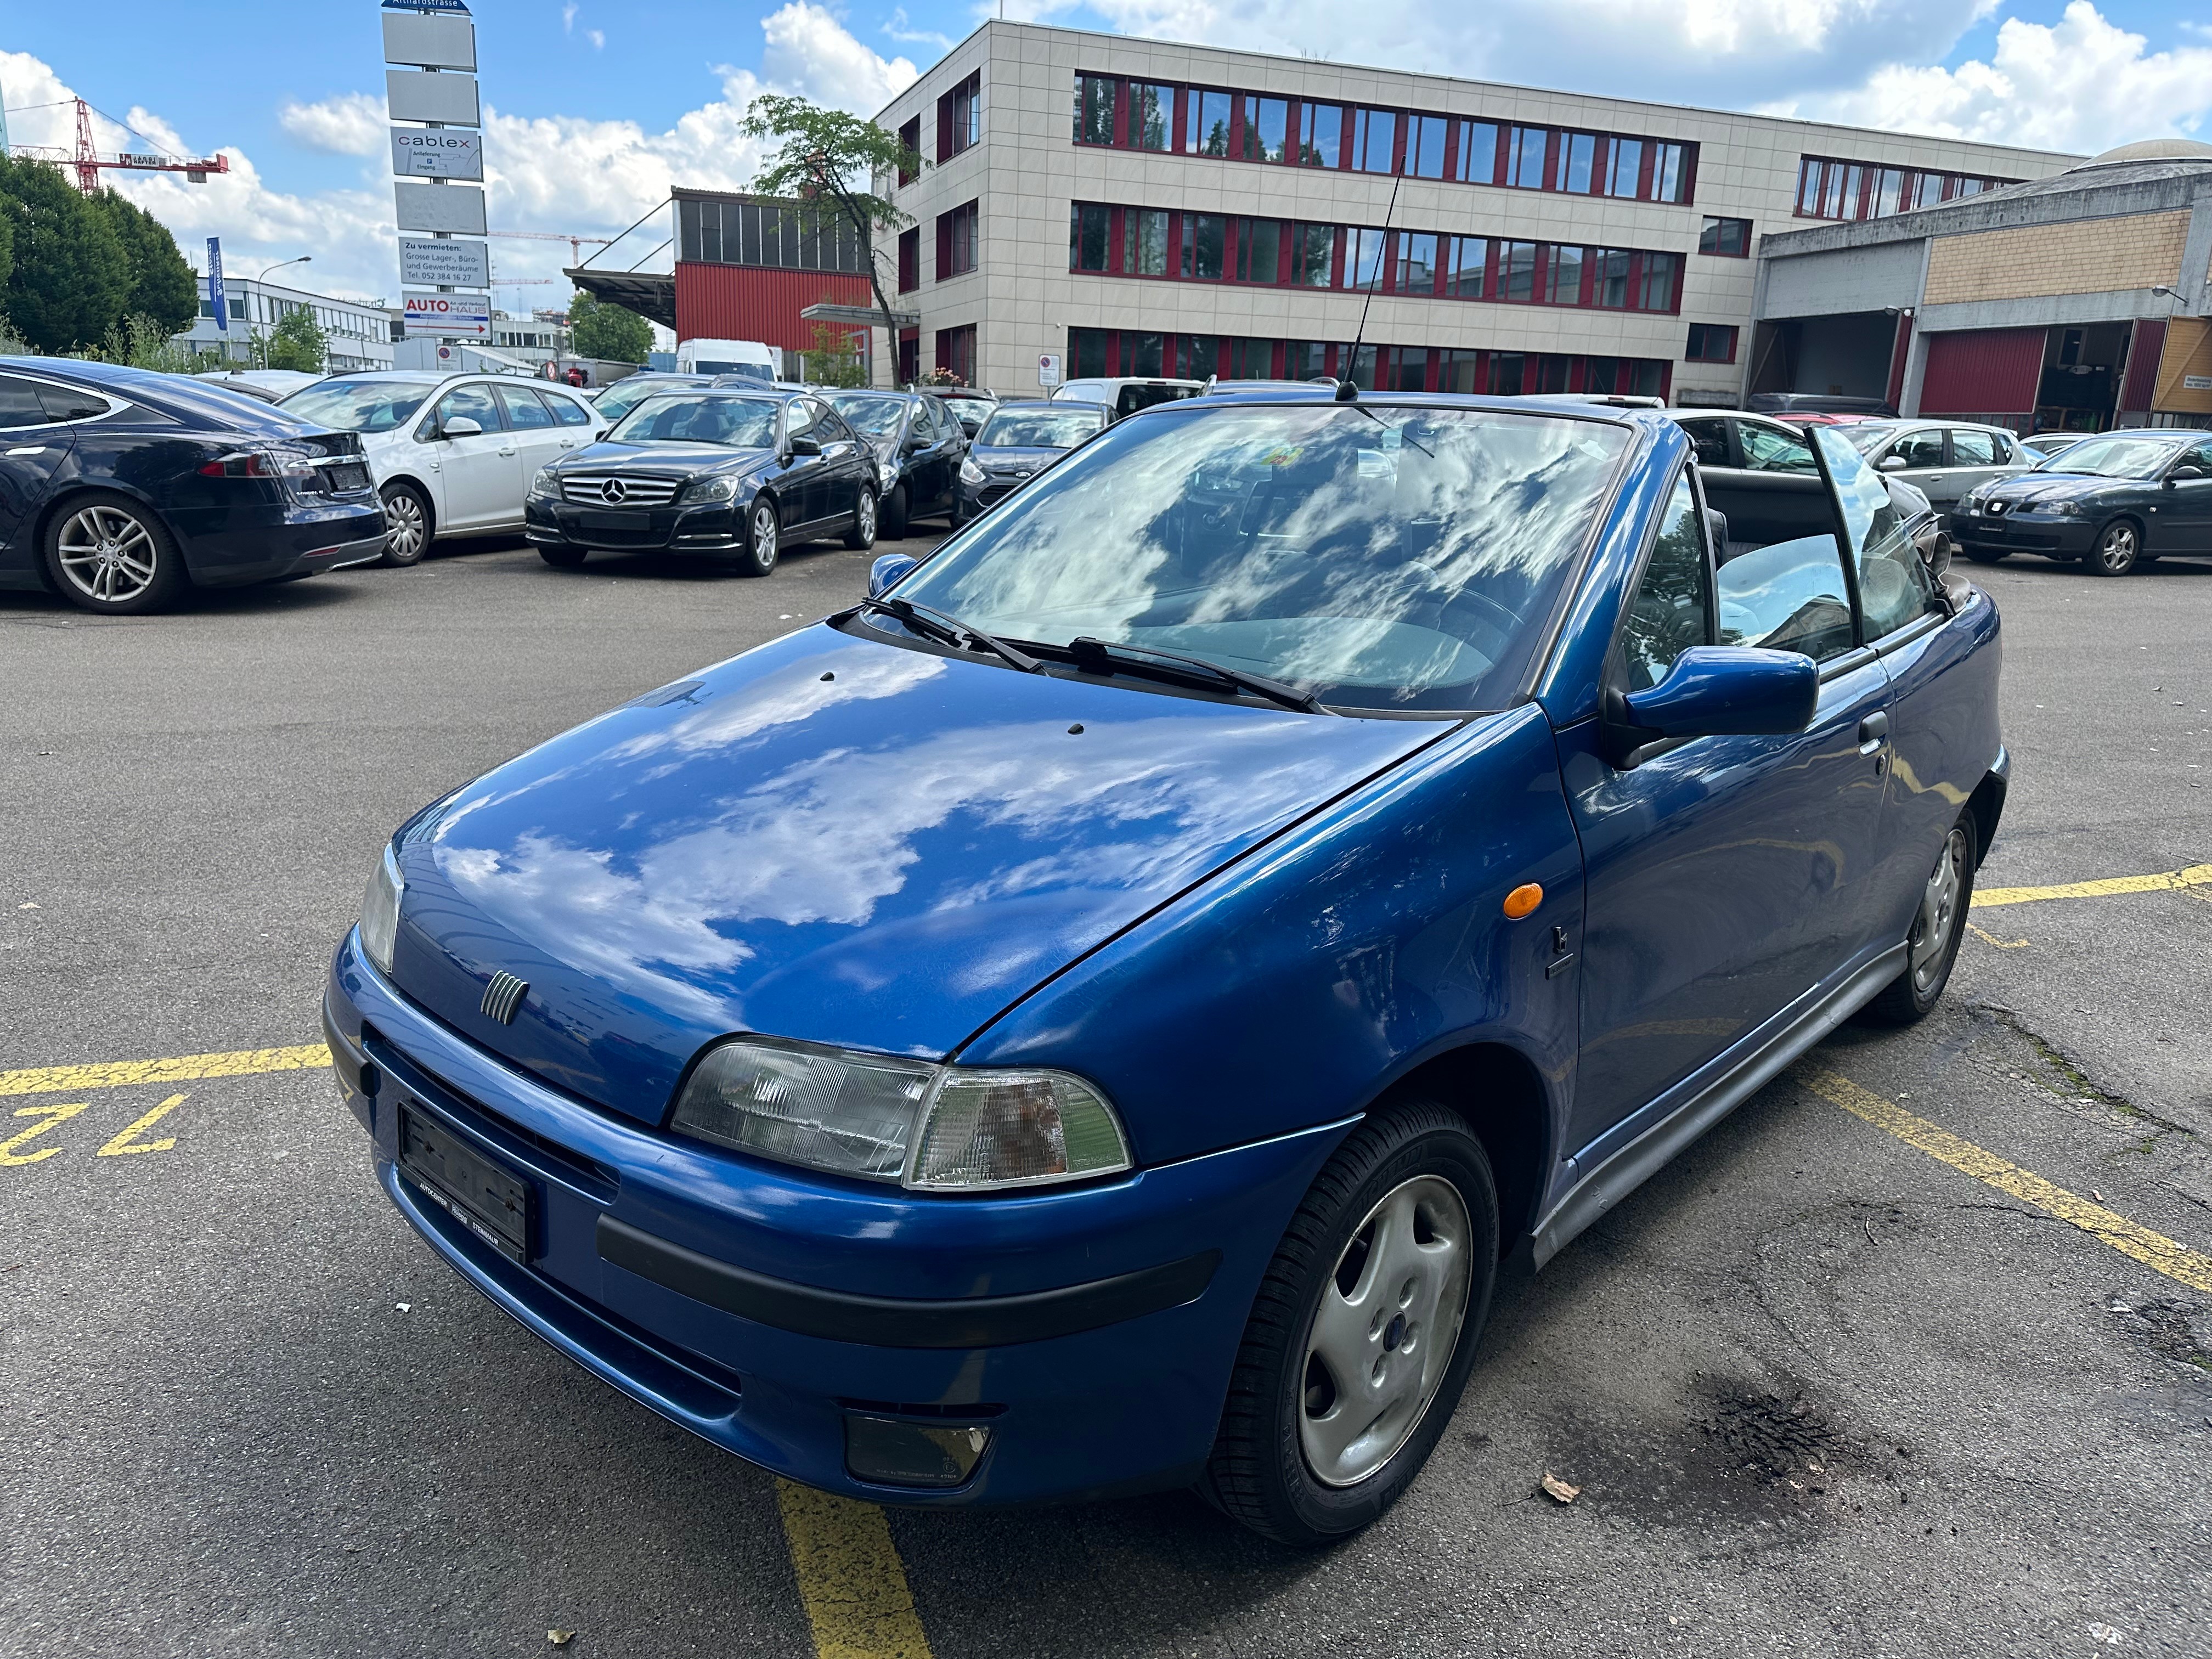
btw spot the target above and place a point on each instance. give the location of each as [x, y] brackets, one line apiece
[887, 571]
[804, 445]
[460, 427]
[1890, 464]
[1726, 690]
[2186, 470]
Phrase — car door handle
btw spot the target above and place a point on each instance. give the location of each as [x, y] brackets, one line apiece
[33, 449]
[506, 449]
[1873, 729]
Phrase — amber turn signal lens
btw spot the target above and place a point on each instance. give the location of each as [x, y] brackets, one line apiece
[1522, 900]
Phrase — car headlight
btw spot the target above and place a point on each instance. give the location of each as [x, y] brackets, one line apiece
[938, 1128]
[710, 489]
[970, 472]
[2065, 509]
[379, 910]
[542, 483]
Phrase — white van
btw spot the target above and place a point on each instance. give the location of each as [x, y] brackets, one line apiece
[750, 357]
[1126, 394]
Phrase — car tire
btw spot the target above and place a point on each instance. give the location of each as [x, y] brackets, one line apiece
[862, 535]
[1404, 1216]
[892, 520]
[409, 525]
[112, 555]
[1987, 555]
[564, 558]
[764, 539]
[1938, 925]
[2118, 549]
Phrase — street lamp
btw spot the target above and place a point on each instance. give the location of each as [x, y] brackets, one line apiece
[281, 263]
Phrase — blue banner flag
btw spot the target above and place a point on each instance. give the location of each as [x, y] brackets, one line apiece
[215, 295]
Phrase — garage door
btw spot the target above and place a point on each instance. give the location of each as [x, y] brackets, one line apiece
[1984, 371]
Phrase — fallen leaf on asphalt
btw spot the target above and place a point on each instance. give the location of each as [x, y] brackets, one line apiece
[560, 1638]
[1555, 1487]
[2105, 1634]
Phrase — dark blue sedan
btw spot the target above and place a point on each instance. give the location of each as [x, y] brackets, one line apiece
[122, 489]
[1094, 1016]
[1017, 442]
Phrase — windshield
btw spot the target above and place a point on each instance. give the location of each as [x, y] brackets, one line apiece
[2115, 457]
[358, 405]
[1378, 557]
[699, 418]
[878, 417]
[624, 395]
[1039, 428]
[1863, 435]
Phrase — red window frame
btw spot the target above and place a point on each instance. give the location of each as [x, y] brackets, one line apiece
[1854, 188]
[956, 350]
[956, 238]
[1706, 332]
[909, 259]
[1714, 223]
[955, 136]
[909, 137]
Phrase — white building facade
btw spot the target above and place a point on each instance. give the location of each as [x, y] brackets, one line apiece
[1138, 207]
[357, 335]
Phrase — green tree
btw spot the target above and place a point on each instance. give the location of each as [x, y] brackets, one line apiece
[818, 153]
[834, 359]
[298, 342]
[609, 332]
[70, 278]
[163, 285]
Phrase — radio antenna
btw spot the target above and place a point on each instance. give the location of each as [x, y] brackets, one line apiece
[1347, 389]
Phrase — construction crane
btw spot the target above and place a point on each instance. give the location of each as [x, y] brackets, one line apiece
[88, 162]
[575, 243]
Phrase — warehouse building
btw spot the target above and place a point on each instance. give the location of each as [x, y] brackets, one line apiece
[2075, 301]
[1138, 207]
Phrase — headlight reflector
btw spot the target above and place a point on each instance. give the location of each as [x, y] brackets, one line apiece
[878, 1117]
[379, 910]
[2064, 509]
[710, 489]
[541, 483]
[970, 472]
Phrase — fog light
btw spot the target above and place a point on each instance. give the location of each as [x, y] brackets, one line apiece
[896, 1453]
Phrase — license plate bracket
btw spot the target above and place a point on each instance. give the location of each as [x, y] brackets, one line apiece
[491, 1201]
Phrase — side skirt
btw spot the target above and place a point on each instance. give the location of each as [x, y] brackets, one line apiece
[1637, 1162]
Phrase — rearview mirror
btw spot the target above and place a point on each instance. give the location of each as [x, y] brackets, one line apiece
[1890, 464]
[1717, 690]
[803, 446]
[885, 572]
[460, 426]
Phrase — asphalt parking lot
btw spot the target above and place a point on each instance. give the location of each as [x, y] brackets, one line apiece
[1911, 1355]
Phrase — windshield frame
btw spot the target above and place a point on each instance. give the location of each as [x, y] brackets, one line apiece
[701, 393]
[1546, 634]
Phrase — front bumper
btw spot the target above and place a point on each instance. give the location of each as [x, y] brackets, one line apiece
[2052, 537]
[707, 527]
[1091, 1331]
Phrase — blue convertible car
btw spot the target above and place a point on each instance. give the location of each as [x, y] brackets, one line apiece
[1093, 1016]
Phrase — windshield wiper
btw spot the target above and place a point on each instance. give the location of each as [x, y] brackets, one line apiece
[1097, 656]
[948, 630]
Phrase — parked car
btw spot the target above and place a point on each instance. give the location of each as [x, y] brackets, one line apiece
[748, 357]
[919, 446]
[627, 394]
[271, 385]
[451, 454]
[1943, 460]
[1126, 395]
[727, 474]
[971, 405]
[121, 489]
[1765, 468]
[1818, 403]
[1019, 442]
[2045, 445]
[2114, 503]
[1092, 1016]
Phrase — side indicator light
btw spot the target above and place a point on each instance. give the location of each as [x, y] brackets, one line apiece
[1523, 900]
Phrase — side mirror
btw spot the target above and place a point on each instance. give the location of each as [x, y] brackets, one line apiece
[885, 572]
[2186, 470]
[1716, 691]
[804, 445]
[460, 427]
[1890, 464]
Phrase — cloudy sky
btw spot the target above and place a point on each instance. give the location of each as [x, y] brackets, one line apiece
[593, 108]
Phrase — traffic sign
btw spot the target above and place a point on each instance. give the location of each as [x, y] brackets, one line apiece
[1048, 369]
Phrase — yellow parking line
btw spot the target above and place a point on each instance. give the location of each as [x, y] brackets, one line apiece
[849, 1577]
[2129, 1238]
[2197, 875]
[180, 1069]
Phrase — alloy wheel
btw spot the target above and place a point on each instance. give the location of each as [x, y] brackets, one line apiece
[764, 537]
[864, 517]
[1939, 912]
[2116, 548]
[106, 554]
[1383, 1335]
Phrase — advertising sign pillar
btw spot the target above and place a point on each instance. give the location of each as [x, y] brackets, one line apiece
[433, 42]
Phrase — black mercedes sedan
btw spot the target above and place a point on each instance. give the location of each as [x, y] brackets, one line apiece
[1017, 442]
[121, 489]
[2113, 503]
[731, 475]
[919, 445]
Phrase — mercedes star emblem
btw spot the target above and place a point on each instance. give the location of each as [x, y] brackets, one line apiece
[612, 490]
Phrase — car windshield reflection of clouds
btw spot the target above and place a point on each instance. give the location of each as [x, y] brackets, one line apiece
[2116, 457]
[729, 422]
[1030, 429]
[876, 416]
[1381, 558]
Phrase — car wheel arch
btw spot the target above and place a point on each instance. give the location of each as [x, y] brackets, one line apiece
[431, 515]
[1501, 1094]
[58, 502]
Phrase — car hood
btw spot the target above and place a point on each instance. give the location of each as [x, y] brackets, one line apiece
[688, 459]
[835, 839]
[2022, 487]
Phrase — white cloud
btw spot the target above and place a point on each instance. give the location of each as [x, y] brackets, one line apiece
[901, 28]
[549, 172]
[568, 17]
[352, 123]
[2083, 83]
[598, 37]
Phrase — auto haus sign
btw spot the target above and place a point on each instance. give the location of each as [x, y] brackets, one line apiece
[447, 316]
[437, 153]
